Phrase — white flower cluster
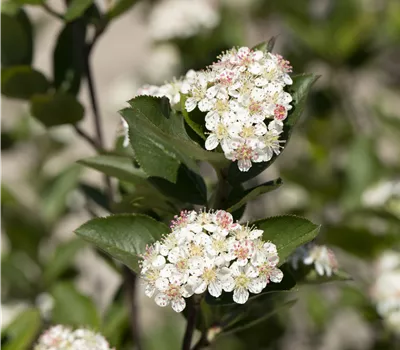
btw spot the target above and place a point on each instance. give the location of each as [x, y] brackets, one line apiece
[321, 256]
[208, 251]
[172, 19]
[386, 289]
[239, 92]
[61, 338]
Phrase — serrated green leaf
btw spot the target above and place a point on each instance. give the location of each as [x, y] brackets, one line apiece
[73, 308]
[62, 258]
[189, 186]
[22, 82]
[76, 8]
[120, 7]
[238, 198]
[160, 140]
[287, 232]
[119, 167]
[299, 91]
[21, 333]
[124, 237]
[68, 67]
[58, 109]
[16, 38]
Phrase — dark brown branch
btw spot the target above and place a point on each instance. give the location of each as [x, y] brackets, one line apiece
[193, 308]
[52, 12]
[88, 138]
[130, 284]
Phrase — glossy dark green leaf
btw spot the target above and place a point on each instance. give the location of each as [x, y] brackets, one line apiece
[238, 198]
[266, 46]
[124, 237]
[52, 110]
[68, 58]
[76, 8]
[22, 82]
[73, 308]
[189, 186]
[21, 333]
[299, 91]
[120, 7]
[119, 167]
[16, 39]
[287, 232]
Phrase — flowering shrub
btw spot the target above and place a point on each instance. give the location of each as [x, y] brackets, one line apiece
[195, 145]
[61, 337]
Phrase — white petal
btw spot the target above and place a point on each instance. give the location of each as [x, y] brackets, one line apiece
[308, 260]
[201, 288]
[149, 290]
[212, 91]
[251, 271]
[159, 262]
[319, 268]
[190, 104]
[228, 284]
[178, 304]
[240, 295]
[161, 300]
[210, 227]
[215, 289]
[205, 105]
[276, 276]
[244, 164]
[212, 142]
[162, 284]
[174, 255]
[255, 234]
[256, 285]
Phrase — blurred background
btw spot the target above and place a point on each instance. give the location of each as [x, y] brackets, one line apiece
[341, 169]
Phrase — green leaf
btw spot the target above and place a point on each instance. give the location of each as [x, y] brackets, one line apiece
[95, 194]
[266, 46]
[62, 258]
[28, 2]
[76, 8]
[299, 91]
[73, 308]
[16, 39]
[22, 332]
[359, 241]
[124, 237]
[119, 167]
[120, 7]
[196, 127]
[58, 109]
[54, 197]
[22, 82]
[159, 138]
[189, 186]
[238, 198]
[68, 66]
[257, 314]
[287, 232]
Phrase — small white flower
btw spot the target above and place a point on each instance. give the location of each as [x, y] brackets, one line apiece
[245, 279]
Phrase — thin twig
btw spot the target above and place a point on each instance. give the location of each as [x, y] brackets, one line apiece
[193, 310]
[130, 281]
[88, 138]
[52, 12]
